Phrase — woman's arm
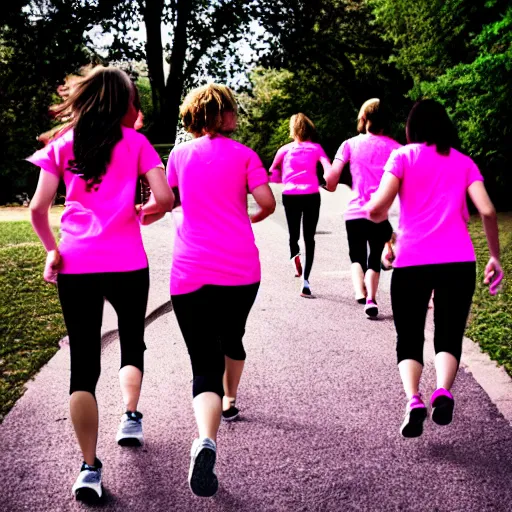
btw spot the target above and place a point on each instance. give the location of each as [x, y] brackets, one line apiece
[276, 169]
[493, 273]
[382, 200]
[333, 174]
[266, 201]
[39, 213]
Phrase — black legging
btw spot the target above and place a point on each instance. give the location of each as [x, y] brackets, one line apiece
[363, 233]
[453, 285]
[307, 208]
[212, 321]
[82, 297]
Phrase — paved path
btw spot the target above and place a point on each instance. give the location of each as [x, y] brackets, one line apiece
[321, 402]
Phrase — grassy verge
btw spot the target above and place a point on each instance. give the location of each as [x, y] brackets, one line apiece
[31, 322]
[491, 317]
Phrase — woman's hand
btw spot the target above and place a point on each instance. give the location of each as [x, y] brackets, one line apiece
[493, 275]
[52, 266]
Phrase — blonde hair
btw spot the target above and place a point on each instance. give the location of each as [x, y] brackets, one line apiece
[203, 108]
[302, 127]
[371, 111]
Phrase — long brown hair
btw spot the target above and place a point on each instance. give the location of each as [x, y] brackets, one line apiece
[97, 106]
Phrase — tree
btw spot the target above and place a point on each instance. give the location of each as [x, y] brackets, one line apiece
[477, 95]
[203, 32]
[30, 71]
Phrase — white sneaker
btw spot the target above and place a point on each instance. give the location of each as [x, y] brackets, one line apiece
[129, 432]
[201, 476]
[87, 487]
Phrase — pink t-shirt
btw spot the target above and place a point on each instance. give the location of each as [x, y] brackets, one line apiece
[295, 166]
[100, 230]
[214, 241]
[433, 210]
[367, 154]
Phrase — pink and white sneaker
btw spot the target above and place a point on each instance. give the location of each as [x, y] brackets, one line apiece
[415, 415]
[442, 404]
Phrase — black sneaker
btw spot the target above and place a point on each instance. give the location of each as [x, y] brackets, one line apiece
[231, 414]
[306, 290]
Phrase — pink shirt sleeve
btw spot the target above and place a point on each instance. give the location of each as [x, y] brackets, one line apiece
[474, 174]
[321, 152]
[256, 173]
[49, 159]
[395, 164]
[276, 169]
[343, 153]
[148, 157]
[172, 177]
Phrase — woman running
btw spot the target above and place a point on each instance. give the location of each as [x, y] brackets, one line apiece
[367, 154]
[433, 253]
[295, 166]
[100, 159]
[215, 272]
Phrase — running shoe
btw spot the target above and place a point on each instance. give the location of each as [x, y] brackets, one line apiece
[201, 476]
[129, 432]
[415, 415]
[361, 300]
[371, 309]
[87, 487]
[306, 290]
[232, 413]
[297, 265]
[442, 404]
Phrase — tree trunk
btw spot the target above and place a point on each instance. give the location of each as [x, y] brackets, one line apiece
[152, 13]
[176, 78]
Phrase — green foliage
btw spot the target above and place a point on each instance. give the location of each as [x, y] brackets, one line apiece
[31, 319]
[491, 317]
[39, 45]
[477, 95]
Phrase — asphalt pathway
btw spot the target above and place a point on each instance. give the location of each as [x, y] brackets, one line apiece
[321, 405]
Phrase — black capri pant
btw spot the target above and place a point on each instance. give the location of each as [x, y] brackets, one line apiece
[362, 233]
[82, 298]
[212, 321]
[453, 285]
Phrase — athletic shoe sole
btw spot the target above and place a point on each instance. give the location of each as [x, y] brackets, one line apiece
[203, 481]
[413, 423]
[372, 311]
[361, 301]
[233, 416]
[307, 296]
[442, 410]
[130, 441]
[87, 495]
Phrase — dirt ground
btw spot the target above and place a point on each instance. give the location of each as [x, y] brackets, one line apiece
[13, 213]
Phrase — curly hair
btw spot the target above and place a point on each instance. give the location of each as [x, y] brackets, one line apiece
[203, 108]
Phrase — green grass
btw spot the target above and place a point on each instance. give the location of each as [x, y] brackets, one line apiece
[490, 322]
[31, 322]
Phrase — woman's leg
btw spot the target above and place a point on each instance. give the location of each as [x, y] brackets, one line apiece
[293, 211]
[358, 252]
[82, 301]
[206, 356]
[310, 222]
[237, 304]
[409, 317]
[450, 317]
[128, 294]
[379, 234]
